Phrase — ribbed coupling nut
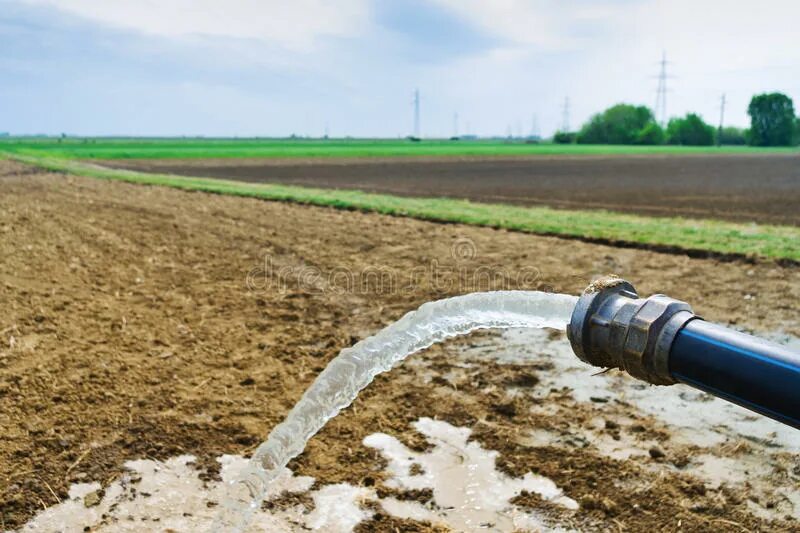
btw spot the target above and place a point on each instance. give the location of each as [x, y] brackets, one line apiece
[611, 327]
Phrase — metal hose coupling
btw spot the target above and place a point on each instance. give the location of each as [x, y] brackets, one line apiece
[611, 327]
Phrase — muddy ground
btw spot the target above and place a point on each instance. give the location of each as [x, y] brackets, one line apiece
[745, 188]
[145, 322]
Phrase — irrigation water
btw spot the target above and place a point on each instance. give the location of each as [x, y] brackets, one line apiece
[355, 367]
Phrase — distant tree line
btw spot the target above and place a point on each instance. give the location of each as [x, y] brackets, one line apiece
[772, 123]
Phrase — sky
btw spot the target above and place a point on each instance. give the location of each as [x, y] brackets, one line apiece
[350, 67]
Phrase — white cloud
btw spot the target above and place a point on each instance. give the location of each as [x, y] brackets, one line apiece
[546, 24]
[609, 52]
[295, 24]
[294, 65]
[716, 34]
[715, 47]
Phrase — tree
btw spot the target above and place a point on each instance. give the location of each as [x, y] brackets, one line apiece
[619, 124]
[564, 137]
[690, 130]
[650, 134]
[772, 120]
[797, 130]
[732, 136]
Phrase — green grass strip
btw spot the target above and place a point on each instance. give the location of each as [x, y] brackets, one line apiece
[752, 240]
[176, 148]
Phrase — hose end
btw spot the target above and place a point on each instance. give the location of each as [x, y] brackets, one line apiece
[611, 327]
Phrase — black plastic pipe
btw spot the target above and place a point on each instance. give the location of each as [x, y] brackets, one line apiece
[756, 374]
[661, 341]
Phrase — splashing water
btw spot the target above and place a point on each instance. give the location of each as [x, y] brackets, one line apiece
[355, 368]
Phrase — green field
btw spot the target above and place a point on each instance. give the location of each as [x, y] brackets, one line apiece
[775, 242]
[173, 148]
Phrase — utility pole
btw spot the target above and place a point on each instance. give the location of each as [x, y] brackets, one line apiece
[565, 115]
[721, 119]
[534, 126]
[661, 92]
[416, 113]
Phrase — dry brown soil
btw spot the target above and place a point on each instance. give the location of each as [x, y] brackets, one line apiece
[129, 330]
[761, 188]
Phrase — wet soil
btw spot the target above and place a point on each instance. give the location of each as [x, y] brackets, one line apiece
[146, 322]
[745, 188]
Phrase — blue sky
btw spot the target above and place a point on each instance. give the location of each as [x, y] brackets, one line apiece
[261, 67]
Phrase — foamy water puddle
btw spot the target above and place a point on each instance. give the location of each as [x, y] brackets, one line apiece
[469, 493]
[164, 496]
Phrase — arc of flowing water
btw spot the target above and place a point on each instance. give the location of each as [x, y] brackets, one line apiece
[354, 368]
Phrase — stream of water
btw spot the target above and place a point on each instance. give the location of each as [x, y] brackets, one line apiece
[354, 368]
